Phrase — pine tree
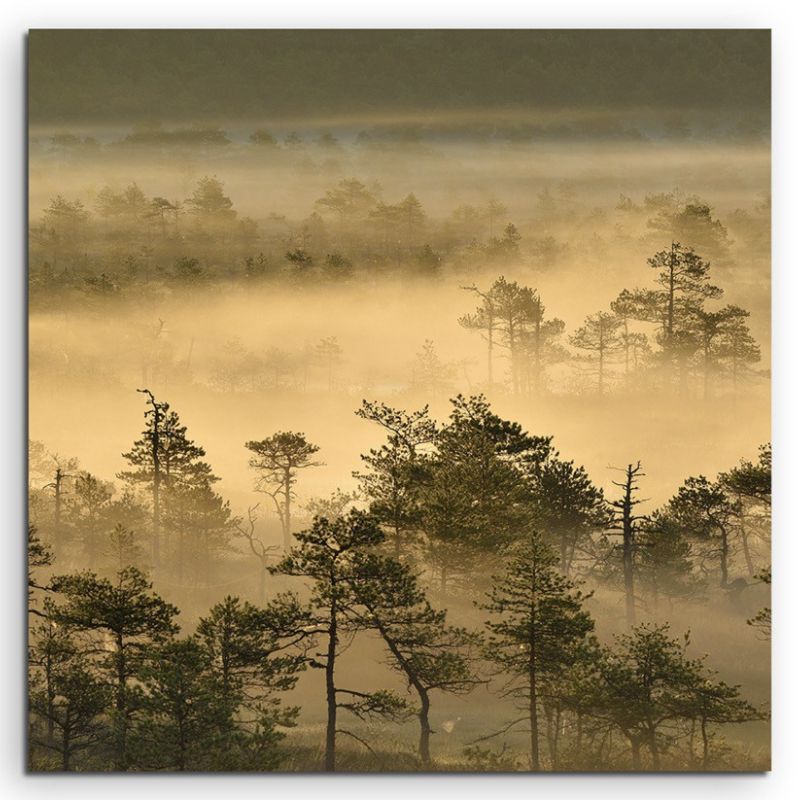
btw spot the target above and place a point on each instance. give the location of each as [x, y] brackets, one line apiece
[599, 334]
[514, 307]
[634, 344]
[712, 327]
[568, 507]
[428, 653]
[643, 678]
[277, 460]
[706, 513]
[750, 485]
[762, 621]
[540, 346]
[709, 702]
[163, 459]
[39, 555]
[201, 525]
[183, 714]
[65, 693]
[649, 685]
[474, 499]
[89, 508]
[736, 348]
[329, 554]
[397, 469]
[254, 655]
[536, 626]
[684, 279]
[126, 619]
[483, 319]
[628, 525]
[665, 565]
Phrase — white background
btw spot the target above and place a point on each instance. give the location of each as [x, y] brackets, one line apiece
[17, 17]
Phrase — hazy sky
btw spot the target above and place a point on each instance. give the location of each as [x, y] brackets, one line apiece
[146, 75]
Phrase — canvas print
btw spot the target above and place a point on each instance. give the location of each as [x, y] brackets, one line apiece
[399, 401]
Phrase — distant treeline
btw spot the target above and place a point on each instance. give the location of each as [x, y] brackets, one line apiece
[127, 237]
[674, 332]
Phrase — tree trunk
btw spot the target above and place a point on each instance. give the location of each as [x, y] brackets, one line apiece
[636, 756]
[121, 708]
[600, 371]
[424, 726]
[424, 698]
[156, 456]
[537, 356]
[206, 559]
[671, 300]
[181, 553]
[330, 688]
[51, 696]
[748, 557]
[626, 338]
[653, 747]
[556, 737]
[490, 336]
[262, 583]
[287, 510]
[563, 553]
[57, 514]
[533, 709]
[704, 734]
[512, 348]
[534, 717]
[65, 749]
[396, 539]
[723, 559]
[627, 548]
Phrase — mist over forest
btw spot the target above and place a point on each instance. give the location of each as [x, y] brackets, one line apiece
[413, 435]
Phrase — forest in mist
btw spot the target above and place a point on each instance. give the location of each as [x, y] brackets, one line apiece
[401, 439]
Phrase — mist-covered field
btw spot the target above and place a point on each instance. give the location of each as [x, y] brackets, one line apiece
[598, 275]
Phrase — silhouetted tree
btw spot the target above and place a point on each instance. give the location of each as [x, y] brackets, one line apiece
[263, 552]
[537, 622]
[484, 318]
[428, 653]
[665, 564]
[762, 621]
[476, 497]
[127, 619]
[277, 460]
[705, 512]
[650, 683]
[39, 555]
[66, 694]
[627, 524]
[396, 470]
[329, 554]
[329, 352]
[430, 375]
[65, 470]
[568, 507]
[600, 336]
[167, 461]
[183, 712]
[349, 199]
